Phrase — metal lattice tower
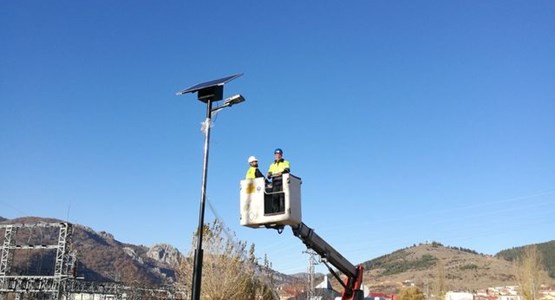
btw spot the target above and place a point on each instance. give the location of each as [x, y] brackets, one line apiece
[7, 254]
[53, 284]
[62, 265]
[61, 251]
[311, 262]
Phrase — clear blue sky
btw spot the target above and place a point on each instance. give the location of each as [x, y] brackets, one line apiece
[408, 121]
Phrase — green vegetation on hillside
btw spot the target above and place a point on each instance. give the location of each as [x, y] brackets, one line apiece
[437, 244]
[547, 251]
[397, 262]
[469, 267]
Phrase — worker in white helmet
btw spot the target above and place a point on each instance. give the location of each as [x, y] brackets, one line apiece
[253, 171]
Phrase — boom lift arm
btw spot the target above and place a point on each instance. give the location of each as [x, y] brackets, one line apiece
[256, 212]
[352, 285]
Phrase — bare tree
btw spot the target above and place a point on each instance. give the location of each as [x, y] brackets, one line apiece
[440, 284]
[529, 273]
[228, 271]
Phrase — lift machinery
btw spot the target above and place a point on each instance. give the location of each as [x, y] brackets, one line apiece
[264, 207]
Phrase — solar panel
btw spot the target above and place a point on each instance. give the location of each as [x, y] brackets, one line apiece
[210, 90]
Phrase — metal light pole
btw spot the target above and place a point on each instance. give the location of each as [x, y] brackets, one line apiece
[197, 268]
[208, 92]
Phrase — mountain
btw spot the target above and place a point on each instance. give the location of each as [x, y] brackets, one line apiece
[423, 264]
[100, 257]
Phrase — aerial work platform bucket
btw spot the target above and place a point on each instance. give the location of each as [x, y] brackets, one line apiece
[262, 207]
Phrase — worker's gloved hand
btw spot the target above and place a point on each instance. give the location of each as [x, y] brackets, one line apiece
[269, 175]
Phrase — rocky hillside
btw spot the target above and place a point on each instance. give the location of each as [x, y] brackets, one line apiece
[100, 257]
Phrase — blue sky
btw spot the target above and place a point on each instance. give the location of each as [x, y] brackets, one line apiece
[408, 121]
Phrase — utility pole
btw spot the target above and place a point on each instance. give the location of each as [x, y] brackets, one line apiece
[311, 262]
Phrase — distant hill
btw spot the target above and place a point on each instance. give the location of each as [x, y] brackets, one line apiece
[547, 251]
[421, 265]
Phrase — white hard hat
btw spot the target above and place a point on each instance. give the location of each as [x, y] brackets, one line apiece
[252, 158]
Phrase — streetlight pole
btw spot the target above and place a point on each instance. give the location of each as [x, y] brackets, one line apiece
[199, 253]
[207, 92]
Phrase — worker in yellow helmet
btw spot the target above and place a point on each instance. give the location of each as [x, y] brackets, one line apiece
[253, 171]
[277, 168]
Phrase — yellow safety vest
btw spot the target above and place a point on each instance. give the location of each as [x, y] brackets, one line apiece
[251, 173]
[278, 166]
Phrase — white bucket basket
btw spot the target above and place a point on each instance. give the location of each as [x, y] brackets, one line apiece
[257, 203]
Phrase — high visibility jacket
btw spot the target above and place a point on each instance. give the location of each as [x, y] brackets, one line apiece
[253, 172]
[279, 166]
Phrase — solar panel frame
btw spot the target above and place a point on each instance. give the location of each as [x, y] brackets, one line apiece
[210, 87]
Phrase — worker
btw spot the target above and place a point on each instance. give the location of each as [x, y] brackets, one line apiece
[277, 168]
[253, 171]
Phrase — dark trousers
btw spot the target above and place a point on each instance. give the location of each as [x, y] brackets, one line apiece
[275, 202]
